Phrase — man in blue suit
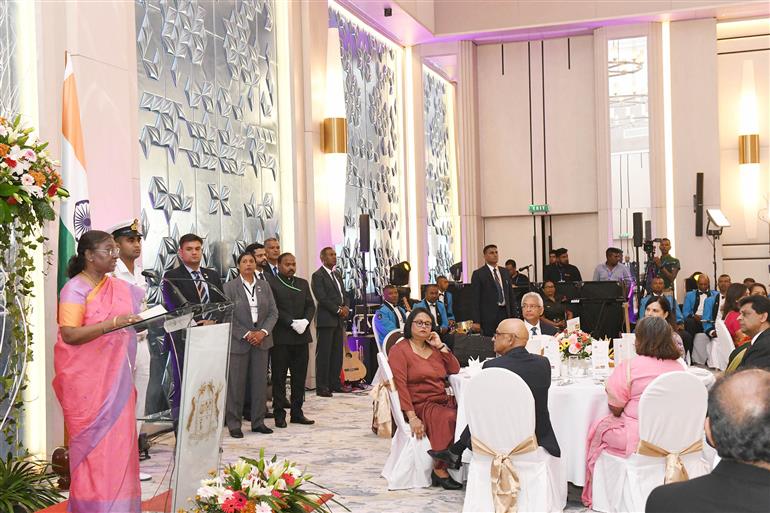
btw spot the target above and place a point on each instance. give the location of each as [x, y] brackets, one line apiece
[657, 290]
[445, 297]
[713, 305]
[694, 305]
[435, 308]
[389, 317]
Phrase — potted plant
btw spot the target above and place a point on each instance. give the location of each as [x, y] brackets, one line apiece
[26, 485]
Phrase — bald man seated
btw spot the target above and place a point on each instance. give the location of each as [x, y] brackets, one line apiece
[510, 338]
[737, 426]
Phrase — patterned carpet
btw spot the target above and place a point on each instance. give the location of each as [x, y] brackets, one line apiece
[339, 450]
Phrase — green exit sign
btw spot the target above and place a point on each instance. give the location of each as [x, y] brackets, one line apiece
[539, 209]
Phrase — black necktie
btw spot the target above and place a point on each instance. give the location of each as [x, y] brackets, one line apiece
[261, 276]
[500, 296]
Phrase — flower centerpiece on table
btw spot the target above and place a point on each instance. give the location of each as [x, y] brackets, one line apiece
[260, 486]
[578, 343]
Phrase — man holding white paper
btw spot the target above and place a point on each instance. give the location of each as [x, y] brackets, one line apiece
[291, 338]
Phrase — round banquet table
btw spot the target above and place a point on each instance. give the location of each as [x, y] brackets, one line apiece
[573, 409]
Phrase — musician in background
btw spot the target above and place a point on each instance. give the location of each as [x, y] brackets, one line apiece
[613, 269]
[445, 297]
[389, 316]
[563, 270]
[435, 308]
[519, 286]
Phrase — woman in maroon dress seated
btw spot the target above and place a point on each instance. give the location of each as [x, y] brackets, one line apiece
[420, 364]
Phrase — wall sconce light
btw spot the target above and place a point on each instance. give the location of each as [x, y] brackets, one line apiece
[334, 137]
[748, 150]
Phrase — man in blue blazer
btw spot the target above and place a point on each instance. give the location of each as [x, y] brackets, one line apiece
[436, 309]
[445, 297]
[713, 304]
[389, 316]
[657, 290]
[694, 305]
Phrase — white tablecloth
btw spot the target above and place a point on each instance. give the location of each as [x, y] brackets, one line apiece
[573, 409]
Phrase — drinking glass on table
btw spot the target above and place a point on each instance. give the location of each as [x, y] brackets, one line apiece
[573, 365]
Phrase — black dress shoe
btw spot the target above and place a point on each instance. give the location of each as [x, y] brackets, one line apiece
[261, 429]
[343, 389]
[452, 460]
[447, 483]
[322, 392]
[302, 420]
[280, 423]
[236, 433]
[269, 415]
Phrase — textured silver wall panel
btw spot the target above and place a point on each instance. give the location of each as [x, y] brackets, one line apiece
[438, 172]
[9, 80]
[208, 123]
[372, 73]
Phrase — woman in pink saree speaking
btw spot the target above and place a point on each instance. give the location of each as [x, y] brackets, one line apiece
[93, 379]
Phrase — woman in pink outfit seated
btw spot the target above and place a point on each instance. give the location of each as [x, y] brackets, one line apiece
[619, 433]
[731, 312]
[93, 379]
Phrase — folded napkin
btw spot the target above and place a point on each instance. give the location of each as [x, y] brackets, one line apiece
[474, 366]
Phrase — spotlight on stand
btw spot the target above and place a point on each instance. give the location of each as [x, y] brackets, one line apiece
[456, 270]
[717, 222]
[399, 274]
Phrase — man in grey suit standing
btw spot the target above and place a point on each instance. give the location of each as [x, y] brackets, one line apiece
[254, 317]
[332, 311]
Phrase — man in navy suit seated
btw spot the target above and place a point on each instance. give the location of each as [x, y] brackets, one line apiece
[389, 317]
[510, 340]
[436, 309]
[445, 297]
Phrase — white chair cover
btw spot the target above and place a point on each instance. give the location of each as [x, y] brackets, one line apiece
[501, 413]
[701, 348]
[722, 346]
[671, 414]
[536, 343]
[408, 465]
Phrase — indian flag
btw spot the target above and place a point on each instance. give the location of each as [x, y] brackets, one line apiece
[75, 213]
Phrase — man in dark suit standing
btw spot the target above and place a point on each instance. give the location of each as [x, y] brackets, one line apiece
[332, 311]
[532, 311]
[510, 341]
[737, 426]
[491, 291]
[291, 337]
[189, 283]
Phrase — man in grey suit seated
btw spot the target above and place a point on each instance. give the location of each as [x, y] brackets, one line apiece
[254, 317]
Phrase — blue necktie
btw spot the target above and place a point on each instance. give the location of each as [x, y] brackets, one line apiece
[500, 296]
[203, 292]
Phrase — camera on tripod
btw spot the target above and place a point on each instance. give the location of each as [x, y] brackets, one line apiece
[649, 247]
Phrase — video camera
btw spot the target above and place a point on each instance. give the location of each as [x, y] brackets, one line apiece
[649, 247]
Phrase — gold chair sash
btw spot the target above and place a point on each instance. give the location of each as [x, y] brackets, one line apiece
[675, 469]
[504, 479]
[381, 405]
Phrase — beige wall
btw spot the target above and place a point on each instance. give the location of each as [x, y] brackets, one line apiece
[752, 255]
[537, 145]
[465, 16]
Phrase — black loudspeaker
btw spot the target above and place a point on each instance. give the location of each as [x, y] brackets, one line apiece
[638, 229]
[698, 204]
[363, 233]
[648, 230]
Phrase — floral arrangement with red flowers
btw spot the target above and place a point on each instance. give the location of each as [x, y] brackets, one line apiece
[260, 486]
[578, 343]
[29, 184]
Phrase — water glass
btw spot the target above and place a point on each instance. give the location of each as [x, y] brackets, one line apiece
[573, 366]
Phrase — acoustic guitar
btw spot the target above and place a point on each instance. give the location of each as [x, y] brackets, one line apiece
[352, 366]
